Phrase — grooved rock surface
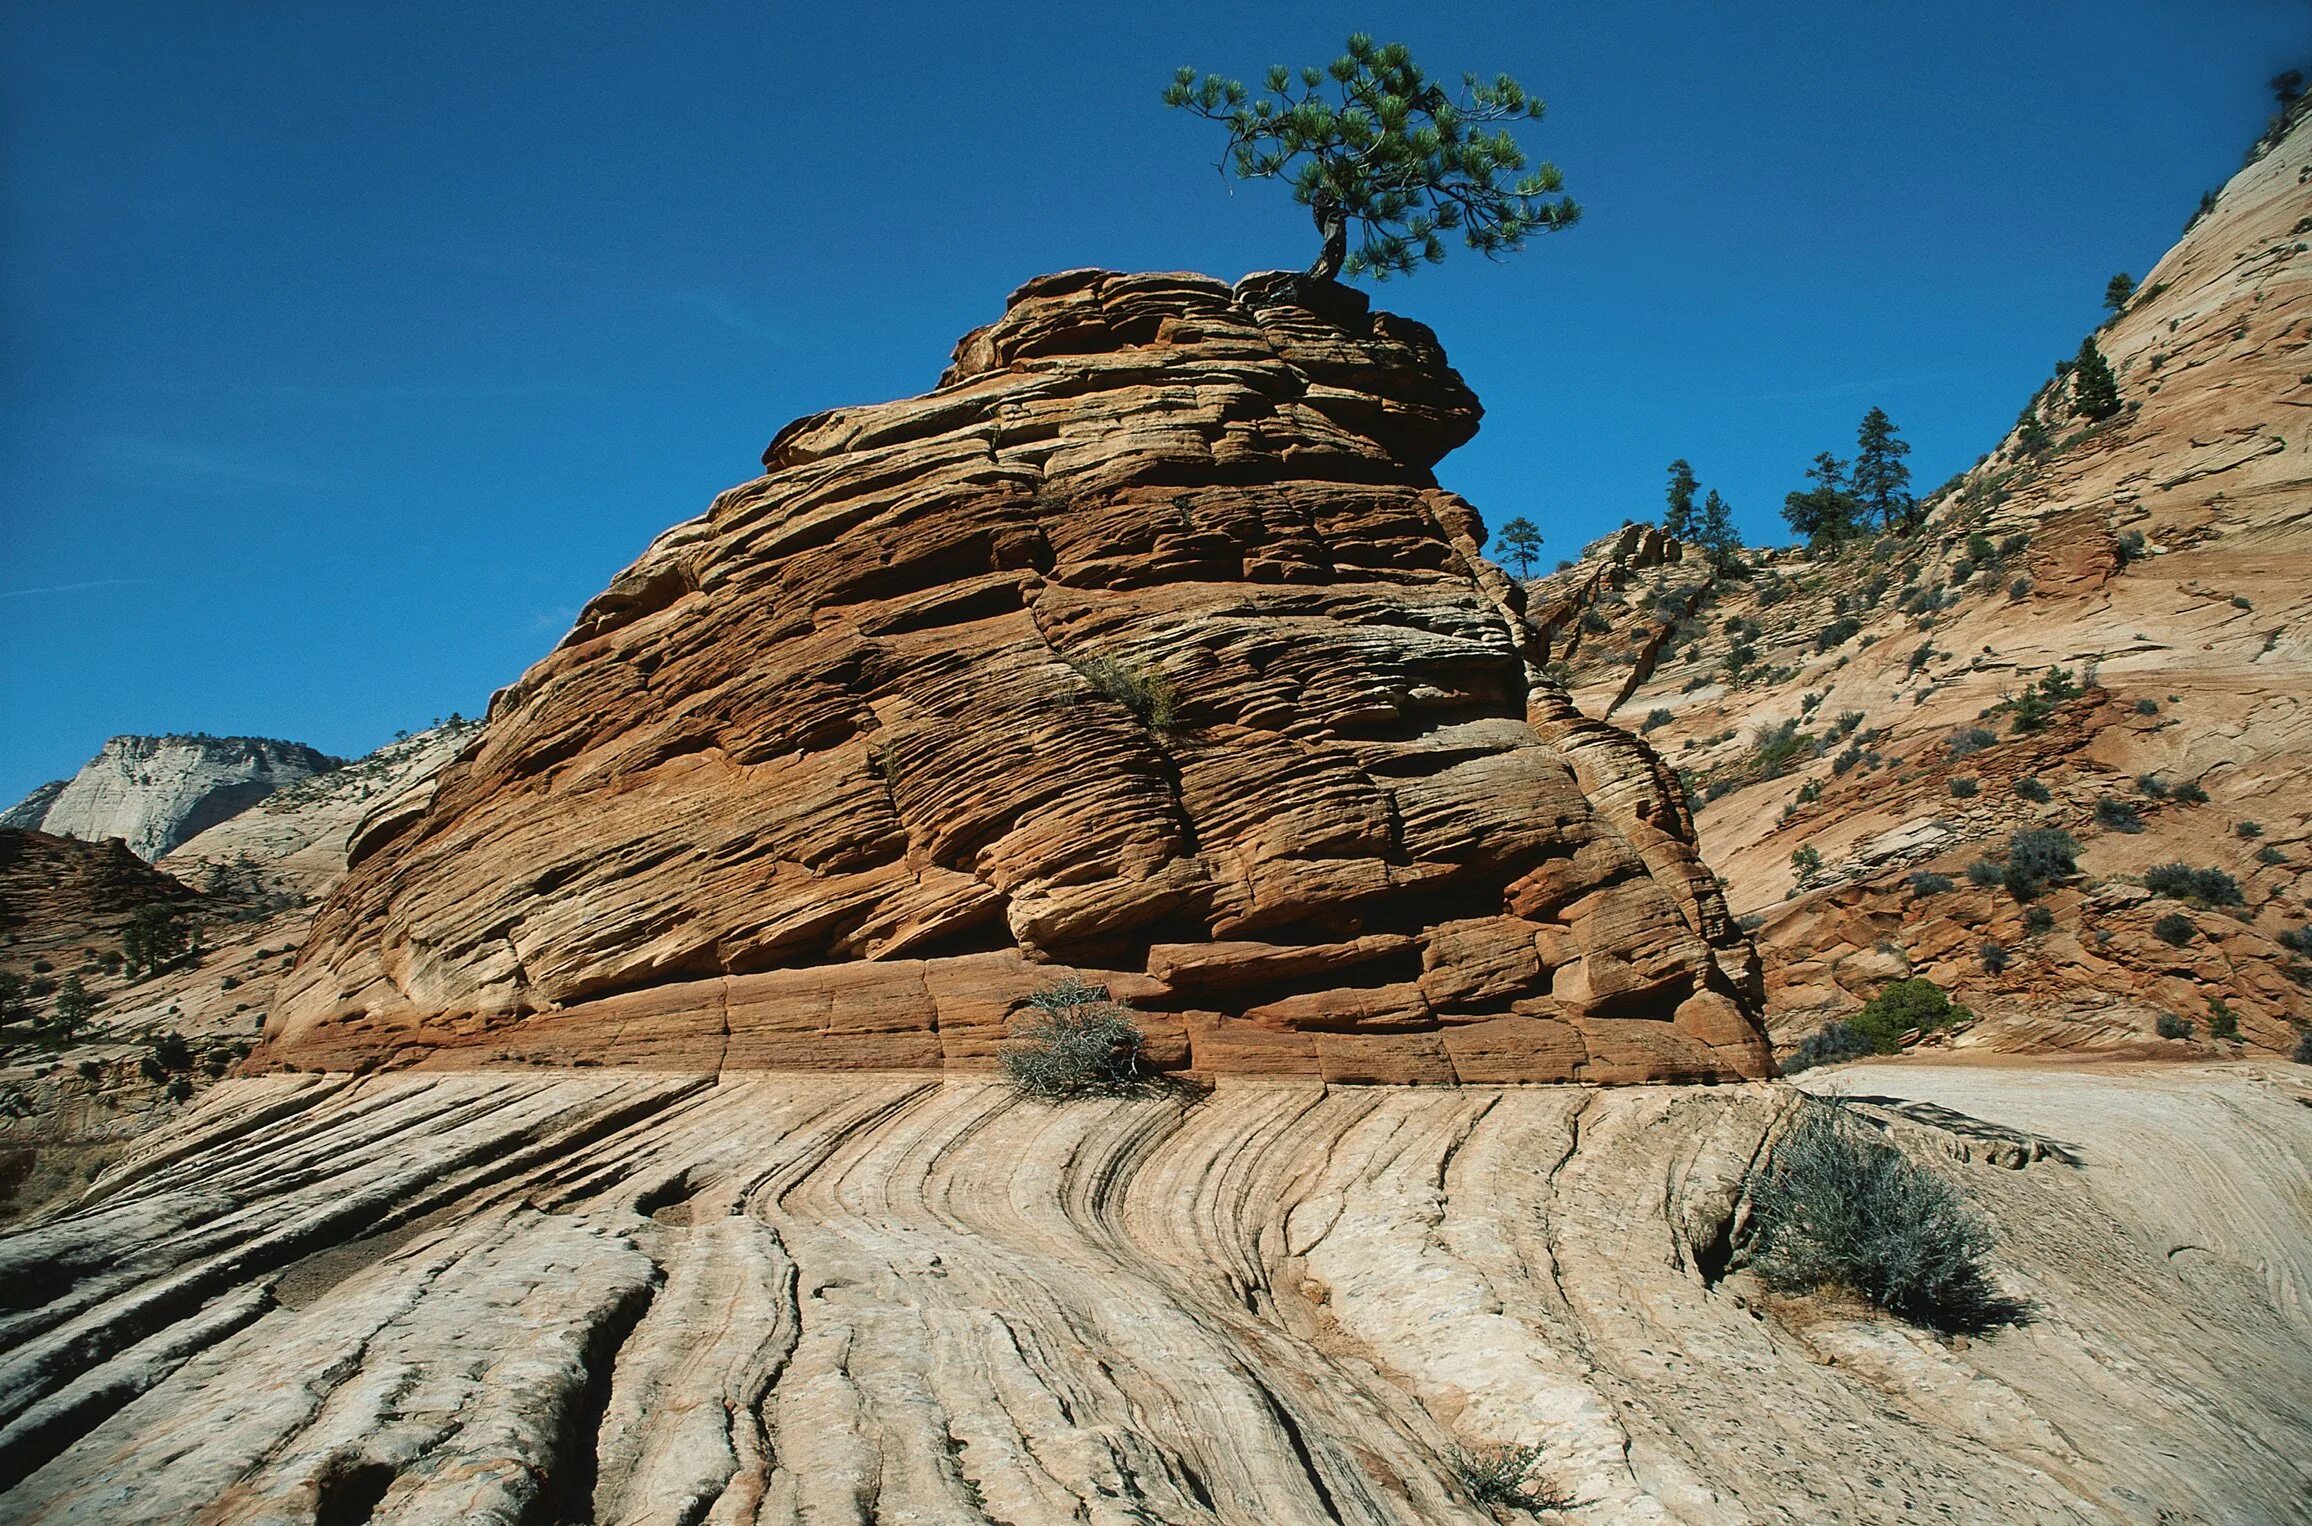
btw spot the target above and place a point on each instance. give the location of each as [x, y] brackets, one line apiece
[54, 890]
[1145, 646]
[2162, 560]
[154, 792]
[620, 1296]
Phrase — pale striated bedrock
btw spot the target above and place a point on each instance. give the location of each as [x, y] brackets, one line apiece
[622, 1296]
[155, 792]
[1144, 646]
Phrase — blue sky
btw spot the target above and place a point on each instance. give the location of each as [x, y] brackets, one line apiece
[349, 349]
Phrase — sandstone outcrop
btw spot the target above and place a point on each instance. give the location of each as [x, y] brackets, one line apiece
[1145, 646]
[623, 1297]
[58, 893]
[2160, 561]
[155, 792]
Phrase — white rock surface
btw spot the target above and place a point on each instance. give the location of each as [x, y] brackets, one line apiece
[155, 792]
[622, 1297]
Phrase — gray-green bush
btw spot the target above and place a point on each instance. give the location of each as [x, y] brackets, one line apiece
[1080, 1043]
[1836, 1207]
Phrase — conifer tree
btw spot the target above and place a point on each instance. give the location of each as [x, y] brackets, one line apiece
[1678, 523]
[74, 1006]
[1881, 483]
[2094, 390]
[1521, 539]
[1825, 513]
[2118, 290]
[1716, 534]
[1388, 153]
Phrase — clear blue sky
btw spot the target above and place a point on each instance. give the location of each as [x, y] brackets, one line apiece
[348, 349]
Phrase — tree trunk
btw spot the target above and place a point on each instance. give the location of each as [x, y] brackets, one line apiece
[1335, 230]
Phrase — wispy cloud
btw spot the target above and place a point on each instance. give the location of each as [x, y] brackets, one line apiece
[26, 593]
[198, 468]
[721, 307]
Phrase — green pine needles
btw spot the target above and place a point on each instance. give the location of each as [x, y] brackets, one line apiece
[1372, 144]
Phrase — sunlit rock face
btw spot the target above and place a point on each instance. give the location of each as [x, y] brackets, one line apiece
[1144, 646]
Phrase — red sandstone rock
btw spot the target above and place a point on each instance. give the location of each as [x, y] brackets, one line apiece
[839, 774]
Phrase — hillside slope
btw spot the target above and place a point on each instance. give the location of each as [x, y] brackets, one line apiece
[2147, 581]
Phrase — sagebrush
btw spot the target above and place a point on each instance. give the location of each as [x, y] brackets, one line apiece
[1081, 1042]
[1837, 1207]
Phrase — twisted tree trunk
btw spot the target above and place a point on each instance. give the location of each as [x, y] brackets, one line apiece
[1334, 228]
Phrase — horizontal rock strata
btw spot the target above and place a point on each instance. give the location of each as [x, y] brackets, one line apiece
[1145, 646]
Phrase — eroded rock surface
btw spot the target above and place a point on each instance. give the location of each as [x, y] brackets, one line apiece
[624, 1297]
[1144, 646]
[2157, 567]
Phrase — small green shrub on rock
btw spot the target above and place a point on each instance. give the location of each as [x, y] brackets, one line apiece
[2175, 928]
[1836, 1207]
[2171, 1026]
[1828, 1046]
[1150, 699]
[1080, 1043]
[1916, 1003]
[1505, 1476]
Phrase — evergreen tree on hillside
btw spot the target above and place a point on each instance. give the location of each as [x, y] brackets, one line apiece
[1678, 523]
[1716, 534]
[1881, 483]
[2094, 390]
[2118, 290]
[1825, 513]
[1521, 539]
[1389, 153]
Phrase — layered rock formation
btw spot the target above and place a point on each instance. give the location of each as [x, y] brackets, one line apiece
[59, 894]
[2161, 562]
[620, 1297]
[155, 792]
[299, 837]
[1145, 646]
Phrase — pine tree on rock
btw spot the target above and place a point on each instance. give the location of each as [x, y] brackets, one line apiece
[1388, 153]
[1826, 513]
[2118, 290]
[2094, 390]
[1880, 481]
[1716, 534]
[1521, 539]
[1678, 522]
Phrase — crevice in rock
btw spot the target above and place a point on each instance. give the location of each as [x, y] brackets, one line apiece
[349, 1489]
[566, 1492]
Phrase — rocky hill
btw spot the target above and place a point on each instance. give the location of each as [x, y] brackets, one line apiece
[155, 792]
[2102, 629]
[1144, 648]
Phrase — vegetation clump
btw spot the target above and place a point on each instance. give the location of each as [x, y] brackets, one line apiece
[1828, 1046]
[2117, 816]
[1926, 883]
[1505, 1476]
[1081, 1043]
[1905, 1006]
[2176, 929]
[1150, 699]
[2180, 881]
[1838, 1208]
[2170, 1026]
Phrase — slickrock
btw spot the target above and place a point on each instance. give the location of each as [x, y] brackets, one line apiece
[622, 1296]
[155, 792]
[1145, 646]
[2161, 561]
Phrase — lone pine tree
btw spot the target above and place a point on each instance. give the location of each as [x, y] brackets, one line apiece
[2094, 390]
[1370, 142]
[1521, 539]
[1678, 520]
[1880, 481]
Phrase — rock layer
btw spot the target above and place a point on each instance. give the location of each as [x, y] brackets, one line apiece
[155, 792]
[1145, 646]
[627, 1297]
